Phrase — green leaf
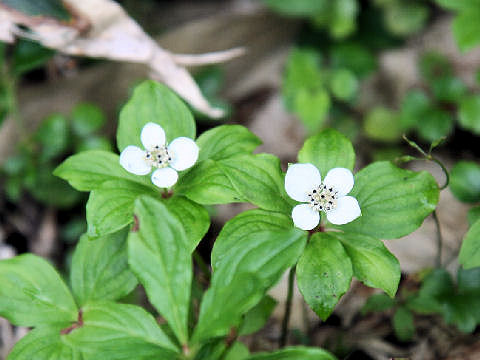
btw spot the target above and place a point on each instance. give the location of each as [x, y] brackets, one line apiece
[382, 124]
[100, 269]
[90, 169]
[238, 351]
[344, 84]
[258, 316]
[53, 136]
[294, 353]
[32, 293]
[372, 263]
[242, 225]
[194, 218]
[86, 119]
[267, 254]
[153, 102]
[51, 190]
[378, 302]
[469, 113]
[94, 142]
[50, 8]
[298, 7]
[225, 141]
[465, 181]
[324, 273]
[353, 56]
[259, 179]
[394, 202]
[473, 215]
[302, 71]
[206, 183]
[254, 178]
[341, 20]
[44, 343]
[466, 28]
[449, 89]
[434, 65]
[222, 306]
[29, 55]
[110, 207]
[462, 311]
[120, 331]
[437, 284]
[326, 150]
[405, 18]
[468, 280]
[159, 255]
[469, 255]
[403, 324]
[414, 106]
[312, 108]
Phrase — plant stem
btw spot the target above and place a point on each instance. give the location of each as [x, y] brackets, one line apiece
[444, 169]
[438, 261]
[202, 265]
[288, 308]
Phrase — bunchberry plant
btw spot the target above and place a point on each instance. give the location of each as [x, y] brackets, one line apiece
[141, 234]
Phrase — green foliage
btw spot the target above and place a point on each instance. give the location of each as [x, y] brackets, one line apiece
[465, 26]
[414, 106]
[44, 344]
[293, 353]
[110, 207]
[465, 181]
[32, 293]
[372, 263]
[87, 119]
[49, 8]
[403, 324]
[344, 84]
[31, 168]
[210, 81]
[158, 254]
[382, 124]
[405, 18]
[469, 255]
[153, 102]
[242, 225]
[378, 302]
[327, 150]
[258, 316]
[88, 170]
[324, 273]
[120, 331]
[28, 55]
[100, 270]
[394, 202]
[247, 270]
[469, 113]
[458, 304]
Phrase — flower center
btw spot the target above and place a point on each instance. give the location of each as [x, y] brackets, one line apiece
[158, 156]
[323, 198]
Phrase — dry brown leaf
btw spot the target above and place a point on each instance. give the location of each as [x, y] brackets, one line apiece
[114, 35]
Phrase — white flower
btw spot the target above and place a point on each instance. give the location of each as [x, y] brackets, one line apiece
[304, 183]
[180, 154]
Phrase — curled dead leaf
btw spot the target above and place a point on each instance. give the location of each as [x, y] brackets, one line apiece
[102, 29]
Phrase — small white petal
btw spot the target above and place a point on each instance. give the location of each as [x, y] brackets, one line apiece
[300, 180]
[340, 179]
[132, 159]
[164, 178]
[184, 153]
[347, 210]
[304, 217]
[152, 135]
